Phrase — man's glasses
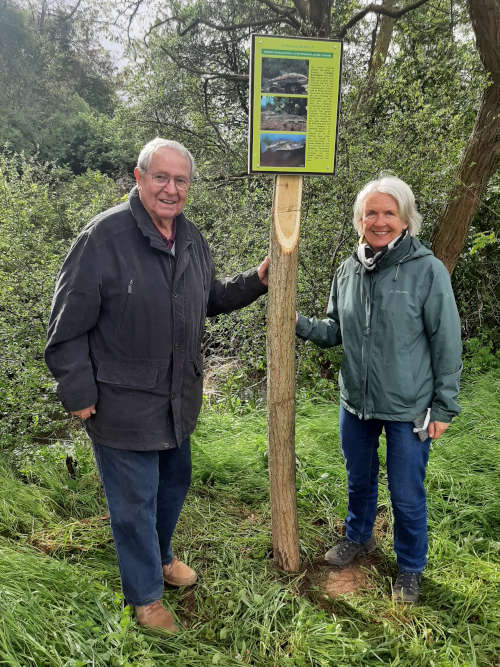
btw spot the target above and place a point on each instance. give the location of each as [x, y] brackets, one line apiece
[161, 180]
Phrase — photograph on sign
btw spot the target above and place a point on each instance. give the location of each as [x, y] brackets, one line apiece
[282, 150]
[294, 102]
[283, 113]
[284, 75]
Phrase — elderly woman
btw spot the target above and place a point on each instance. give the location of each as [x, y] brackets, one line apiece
[392, 308]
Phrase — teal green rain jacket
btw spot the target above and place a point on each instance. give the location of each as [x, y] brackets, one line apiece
[400, 330]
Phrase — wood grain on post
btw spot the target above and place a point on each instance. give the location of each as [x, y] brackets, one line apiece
[285, 228]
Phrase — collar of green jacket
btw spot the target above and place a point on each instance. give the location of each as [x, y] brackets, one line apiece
[409, 249]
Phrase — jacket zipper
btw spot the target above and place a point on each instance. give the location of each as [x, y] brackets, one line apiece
[367, 344]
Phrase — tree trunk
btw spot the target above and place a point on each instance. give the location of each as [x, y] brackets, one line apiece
[285, 229]
[378, 57]
[482, 153]
[315, 14]
[320, 11]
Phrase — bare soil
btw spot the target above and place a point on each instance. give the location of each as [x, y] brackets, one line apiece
[335, 581]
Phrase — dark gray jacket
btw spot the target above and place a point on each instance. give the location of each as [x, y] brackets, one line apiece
[127, 322]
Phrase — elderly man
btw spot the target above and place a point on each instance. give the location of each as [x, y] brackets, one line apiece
[124, 344]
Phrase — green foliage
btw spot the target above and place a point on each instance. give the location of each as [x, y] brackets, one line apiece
[482, 240]
[41, 209]
[416, 125]
[56, 558]
[424, 106]
[476, 280]
[235, 222]
[57, 561]
[480, 355]
[57, 91]
[191, 79]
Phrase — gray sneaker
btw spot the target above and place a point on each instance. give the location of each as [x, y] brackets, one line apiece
[407, 587]
[346, 551]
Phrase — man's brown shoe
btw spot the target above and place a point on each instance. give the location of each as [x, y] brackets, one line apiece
[178, 573]
[155, 615]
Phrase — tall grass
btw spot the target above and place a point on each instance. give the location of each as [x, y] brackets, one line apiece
[60, 600]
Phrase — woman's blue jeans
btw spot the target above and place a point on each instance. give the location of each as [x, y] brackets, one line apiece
[145, 492]
[406, 461]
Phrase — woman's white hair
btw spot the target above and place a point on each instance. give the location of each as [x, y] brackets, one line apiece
[402, 193]
[147, 152]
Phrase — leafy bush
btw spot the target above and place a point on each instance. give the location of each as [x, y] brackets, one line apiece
[42, 207]
[476, 280]
[480, 355]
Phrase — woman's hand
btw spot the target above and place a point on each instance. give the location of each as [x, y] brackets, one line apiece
[436, 429]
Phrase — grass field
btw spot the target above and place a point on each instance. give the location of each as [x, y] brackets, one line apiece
[60, 600]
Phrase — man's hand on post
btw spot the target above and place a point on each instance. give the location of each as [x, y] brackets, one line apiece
[85, 413]
[263, 271]
[436, 429]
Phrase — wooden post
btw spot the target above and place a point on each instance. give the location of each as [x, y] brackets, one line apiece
[285, 228]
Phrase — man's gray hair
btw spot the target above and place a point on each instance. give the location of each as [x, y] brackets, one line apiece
[402, 193]
[147, 152]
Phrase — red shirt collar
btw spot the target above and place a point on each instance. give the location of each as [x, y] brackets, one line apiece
[168, 241]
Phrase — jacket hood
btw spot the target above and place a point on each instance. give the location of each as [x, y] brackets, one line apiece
[414, 249]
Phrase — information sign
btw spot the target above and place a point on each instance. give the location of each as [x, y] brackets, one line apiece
[294, 103]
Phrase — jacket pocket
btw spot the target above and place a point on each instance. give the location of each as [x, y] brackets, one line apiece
[124, 374]
[133, 403]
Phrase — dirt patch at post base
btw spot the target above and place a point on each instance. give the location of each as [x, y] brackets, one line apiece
[334, 581]
[344, 581]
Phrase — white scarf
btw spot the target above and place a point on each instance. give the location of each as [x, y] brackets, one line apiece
[370, 258]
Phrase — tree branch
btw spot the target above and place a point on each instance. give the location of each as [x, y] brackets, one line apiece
[69, 16]
[209, 75]
[158, 24]
[286, 12]
[229, 28]
[132, 16]
[207, 114]
[216, 182]
[220, 27]
[378, 9]
[177, 128]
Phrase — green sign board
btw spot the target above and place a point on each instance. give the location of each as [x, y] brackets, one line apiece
[294, 103]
